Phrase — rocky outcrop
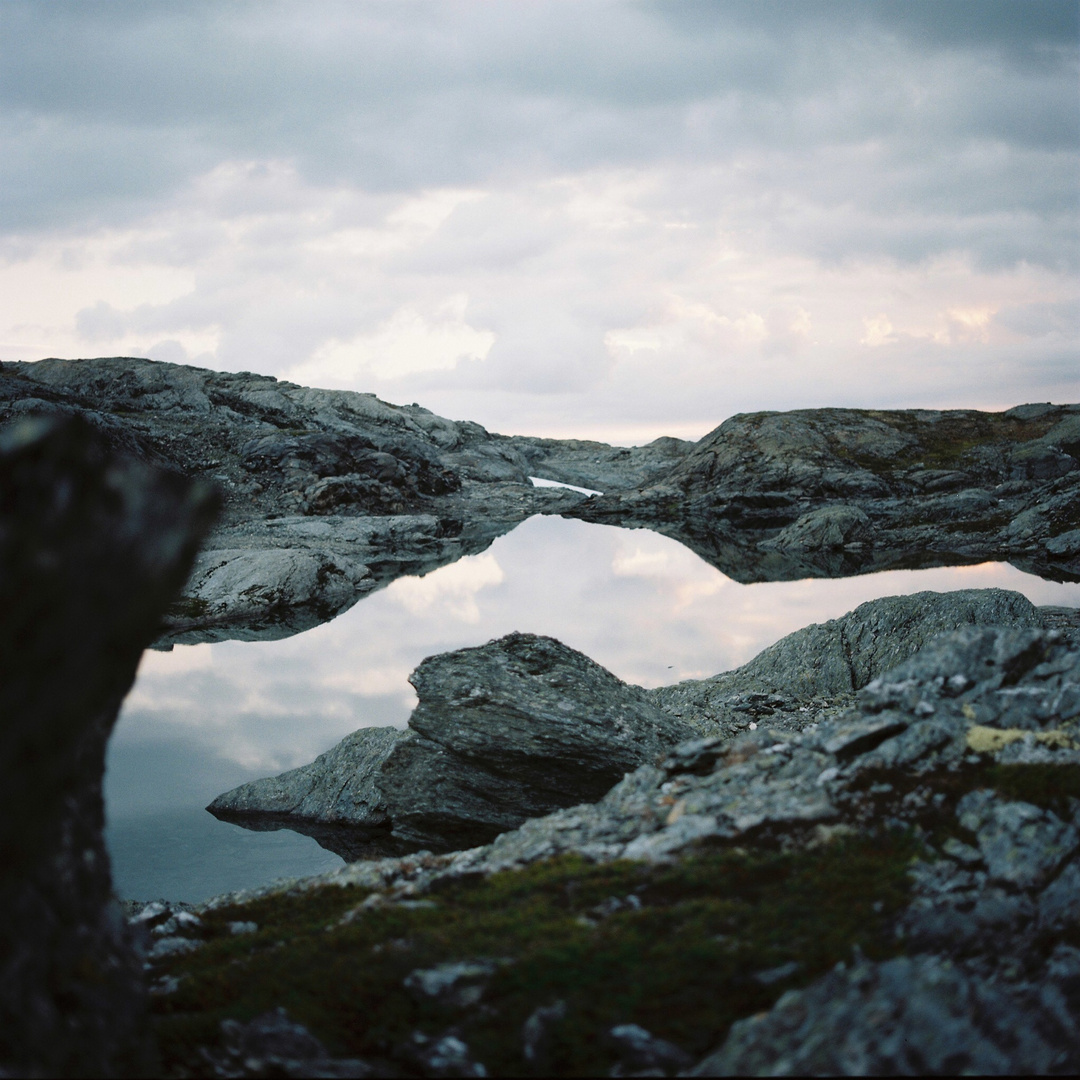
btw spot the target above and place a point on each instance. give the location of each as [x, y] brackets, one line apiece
[525, 725]
[504, 732]
[816, 670]
[917, 1016]
[332, 494]
[328, 494]
[93, 545]
[833, 492]
[966, 755]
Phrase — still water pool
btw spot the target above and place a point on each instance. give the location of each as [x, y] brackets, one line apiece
[203, 718]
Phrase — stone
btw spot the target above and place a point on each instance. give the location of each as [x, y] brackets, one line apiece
[502, 732]
[446, 1055]
[456, 985]
[537, 1034]
[842, 655]
[1020, 844]
[93, 546]
[328, 494]
[643, 1054]
[833, 492]
[275, 1045]
[338, 787]
[829, 528]
[909, 1016]
[1059, 904]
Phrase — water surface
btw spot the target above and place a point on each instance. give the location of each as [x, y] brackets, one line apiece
[204, 718]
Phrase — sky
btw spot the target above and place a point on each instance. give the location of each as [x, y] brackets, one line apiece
[574, 218]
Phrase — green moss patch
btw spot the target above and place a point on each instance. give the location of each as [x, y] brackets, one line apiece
[188, 607]
[1048, 786]
[678, 949]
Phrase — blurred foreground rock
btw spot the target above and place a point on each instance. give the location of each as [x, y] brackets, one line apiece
[93, 546]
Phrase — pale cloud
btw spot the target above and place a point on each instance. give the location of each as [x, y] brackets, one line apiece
[604, 219]
[879, 331]
[407, 343]
[451, 591]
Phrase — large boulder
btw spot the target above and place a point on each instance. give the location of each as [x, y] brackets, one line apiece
[906, 1017]
[514, 729]
[510, 730]
[93, 546]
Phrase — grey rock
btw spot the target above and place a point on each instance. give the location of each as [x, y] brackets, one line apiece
[537, 1034]
[328, 494]
[1059, 904]
[643, 1054]
[173, 946]
[93, 546]
[908, 1016]
[1065, 545]
[359, 491]
[275, 1045]
[514, 729]
[456, 985]
[503, 732]
[1020, 844]
[841, 656]
[446, 1055]
[833, 492]
[340, 787]
[828, 528]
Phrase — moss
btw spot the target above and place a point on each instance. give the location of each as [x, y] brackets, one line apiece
[188, 607]
[1048, 786]
[682, 964]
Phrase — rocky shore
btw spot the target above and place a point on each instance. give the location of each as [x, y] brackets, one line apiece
[858, 853]
[327, 494]
[524, 725]
[331, 494]
[893, 889]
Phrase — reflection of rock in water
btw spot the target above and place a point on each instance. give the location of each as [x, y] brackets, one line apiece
[329, 494]
[332, 494]
[834, 492]
[92, 548]
[523, 726]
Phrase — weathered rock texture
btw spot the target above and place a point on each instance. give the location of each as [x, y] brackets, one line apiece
[504, 732]
[92, 548]
[525, 725]
[831, 492]
[331, 494]
[919, 1016]
[822, 665]
[971, 747]
[328, 494]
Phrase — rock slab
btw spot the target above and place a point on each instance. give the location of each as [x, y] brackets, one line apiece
[507, 731]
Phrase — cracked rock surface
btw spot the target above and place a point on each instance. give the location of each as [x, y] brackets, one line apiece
[833, 492]
[525, 725]
[962, 745]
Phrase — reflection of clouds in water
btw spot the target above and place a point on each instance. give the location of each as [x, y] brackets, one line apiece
[450, 590]
[636, 602]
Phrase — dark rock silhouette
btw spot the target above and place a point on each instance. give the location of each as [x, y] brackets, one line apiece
[93, 546]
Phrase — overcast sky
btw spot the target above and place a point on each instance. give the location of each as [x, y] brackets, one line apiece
[584, 217]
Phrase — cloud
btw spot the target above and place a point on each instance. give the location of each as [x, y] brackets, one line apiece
[597, 218]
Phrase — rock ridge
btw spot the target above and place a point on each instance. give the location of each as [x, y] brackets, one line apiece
[524, 725]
